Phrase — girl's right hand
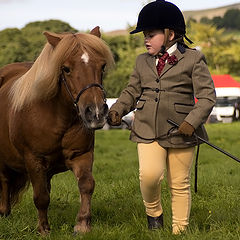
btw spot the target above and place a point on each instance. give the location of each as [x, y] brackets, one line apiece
[114, 119]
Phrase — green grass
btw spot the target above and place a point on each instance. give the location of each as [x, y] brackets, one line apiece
[117, 207]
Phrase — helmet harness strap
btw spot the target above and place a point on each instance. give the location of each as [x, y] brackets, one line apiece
[167, 44]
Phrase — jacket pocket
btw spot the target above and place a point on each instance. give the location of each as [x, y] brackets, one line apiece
[140, 104]
[183, 108]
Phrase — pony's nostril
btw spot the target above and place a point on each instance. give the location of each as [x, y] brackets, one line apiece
[87, 110]
[88, 113]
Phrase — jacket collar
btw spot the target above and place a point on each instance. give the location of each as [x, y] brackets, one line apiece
[179, 53]
[172, 49]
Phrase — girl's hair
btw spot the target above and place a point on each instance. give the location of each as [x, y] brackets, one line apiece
[180, 38]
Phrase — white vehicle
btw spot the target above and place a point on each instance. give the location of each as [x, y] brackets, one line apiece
[225, 109]
[127, 118]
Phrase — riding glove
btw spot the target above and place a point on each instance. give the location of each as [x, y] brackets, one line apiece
[114, 119]
[186, 129]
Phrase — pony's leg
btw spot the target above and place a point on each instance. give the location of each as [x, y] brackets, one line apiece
[41, 196]
[5, 207]
[82, 168]
[49, 184]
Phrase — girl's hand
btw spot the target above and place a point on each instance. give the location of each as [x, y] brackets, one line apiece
[114, 119]
[186, 129]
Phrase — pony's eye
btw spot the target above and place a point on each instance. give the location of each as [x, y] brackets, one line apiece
[103, 67]
[66, 69]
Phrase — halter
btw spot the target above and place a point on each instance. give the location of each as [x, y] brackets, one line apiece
[76, 100]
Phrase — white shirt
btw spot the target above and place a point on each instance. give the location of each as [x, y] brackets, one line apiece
[170, 51]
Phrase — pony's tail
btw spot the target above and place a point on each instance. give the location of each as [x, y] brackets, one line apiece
[18, 183]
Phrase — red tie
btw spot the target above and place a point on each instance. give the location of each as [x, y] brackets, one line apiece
[161, 62]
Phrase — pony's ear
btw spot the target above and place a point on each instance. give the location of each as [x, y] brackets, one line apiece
[95, 31]
[52, 38]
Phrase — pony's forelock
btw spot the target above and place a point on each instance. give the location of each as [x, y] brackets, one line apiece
[96, 47]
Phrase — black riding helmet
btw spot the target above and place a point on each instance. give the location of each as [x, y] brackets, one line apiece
[161, 15]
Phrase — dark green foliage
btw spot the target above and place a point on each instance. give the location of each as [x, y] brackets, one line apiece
[26, 44]
[50, 25]
[217, 21]
[230, 20]
[205, 20]
[13, 46]
[34, 33]
[125, 49]
[117, 43]
[222, 52]
[117, 79]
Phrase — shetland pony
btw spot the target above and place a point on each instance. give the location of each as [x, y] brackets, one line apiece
[49, 111]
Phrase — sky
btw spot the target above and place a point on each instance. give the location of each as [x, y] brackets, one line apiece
[84, 15]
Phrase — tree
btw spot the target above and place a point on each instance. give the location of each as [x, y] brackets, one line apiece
[19, 45]
[221, 50]
[205, 20]
[126, 48]
[34, 33]
[218, 22]
[117, 43]
[231, 19]
[13, 46]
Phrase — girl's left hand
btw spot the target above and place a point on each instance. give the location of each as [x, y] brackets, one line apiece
[186, 129]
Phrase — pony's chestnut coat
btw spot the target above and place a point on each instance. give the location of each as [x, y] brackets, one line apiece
[41, 134]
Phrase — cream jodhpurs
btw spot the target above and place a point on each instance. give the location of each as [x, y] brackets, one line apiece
[153, 160]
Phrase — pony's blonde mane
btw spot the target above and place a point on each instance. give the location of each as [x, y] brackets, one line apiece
[41, 81]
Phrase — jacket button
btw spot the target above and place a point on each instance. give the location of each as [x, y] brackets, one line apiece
[156, 99]
[157, 90]
[157, 80]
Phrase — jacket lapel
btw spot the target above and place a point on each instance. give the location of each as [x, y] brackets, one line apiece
[167, 66]
[151, 61]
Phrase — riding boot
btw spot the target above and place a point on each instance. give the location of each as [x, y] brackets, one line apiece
[155, 222]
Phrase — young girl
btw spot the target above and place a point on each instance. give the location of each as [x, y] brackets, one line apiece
[163, 87]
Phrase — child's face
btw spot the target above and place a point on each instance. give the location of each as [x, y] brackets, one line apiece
[153, 41]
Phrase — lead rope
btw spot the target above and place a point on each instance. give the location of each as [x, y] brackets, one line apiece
[196, 167]
[130, 128]
[166, 135]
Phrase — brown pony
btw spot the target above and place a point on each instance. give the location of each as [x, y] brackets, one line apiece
[49, 111]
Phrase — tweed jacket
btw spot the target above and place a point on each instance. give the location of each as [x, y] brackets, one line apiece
[168, 96]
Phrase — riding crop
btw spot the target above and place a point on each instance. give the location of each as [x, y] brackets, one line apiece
[208, 143]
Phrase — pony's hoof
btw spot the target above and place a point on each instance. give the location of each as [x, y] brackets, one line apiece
[44, 231]
[81, 229]
[4, 212]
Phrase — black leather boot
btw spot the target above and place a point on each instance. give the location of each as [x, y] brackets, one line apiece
[155, 222]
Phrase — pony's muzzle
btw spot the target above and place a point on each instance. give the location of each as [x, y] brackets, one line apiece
[96, 115]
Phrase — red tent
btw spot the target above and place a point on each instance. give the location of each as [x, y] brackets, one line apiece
[223, 81]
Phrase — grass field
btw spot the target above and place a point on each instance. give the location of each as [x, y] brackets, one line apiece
[117, 208]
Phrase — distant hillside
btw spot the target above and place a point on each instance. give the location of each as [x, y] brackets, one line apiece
[117, 33]
[196, 14]
[209, 13]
